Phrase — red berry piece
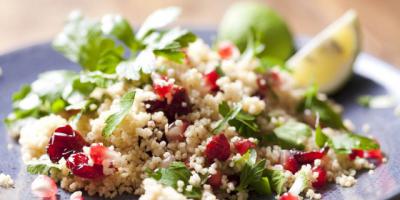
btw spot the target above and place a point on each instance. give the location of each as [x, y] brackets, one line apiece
[288, 196]
[44, 187]
[163, 87]
[178, 106]
[321, 179]
[308, 157]
[226, 50]
[64, 142]
[215, 180]
[176, 131]
[211, 80]
[243, 145]
[98, 153]
[291, 164]
[78, 163]
[218, 148]
[375, 156]
[356, 153]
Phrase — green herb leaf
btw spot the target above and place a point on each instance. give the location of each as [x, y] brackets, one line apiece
[251, 173]
[82, 41]
[364, 100]
[158, 19]
[277, 179]
[244, 123]
[115, 119]
[346, 142]
[320, 137]
[120, 28]
[293, 134]
[228, 115]
[98, 78]
[172, 174]
[301, 182]
[22, 93]
[42, 168]
[144, 63]
[326, 114]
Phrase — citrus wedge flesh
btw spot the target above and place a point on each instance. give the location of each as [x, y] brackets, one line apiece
[327, 59]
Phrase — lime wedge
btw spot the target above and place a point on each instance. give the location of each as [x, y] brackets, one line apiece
[328, 58]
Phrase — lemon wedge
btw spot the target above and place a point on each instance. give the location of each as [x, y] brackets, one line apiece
[327, 60]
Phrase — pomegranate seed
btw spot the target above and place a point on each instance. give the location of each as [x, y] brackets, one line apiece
[218, 148]
[163, 87]
[288, 196]
[308, 157]
[226, 50]
[243, 145]
[44, 187]
[321, 179]
[64, 142]
[78, 163]
[356, 153]
[98, 153]
[176, 131]
[179, 105]
[291, 164]
[211, 80]
[215, 180]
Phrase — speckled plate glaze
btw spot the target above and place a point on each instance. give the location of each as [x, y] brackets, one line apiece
[372, 76]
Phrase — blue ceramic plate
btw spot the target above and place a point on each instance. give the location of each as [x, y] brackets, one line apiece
[372, 76]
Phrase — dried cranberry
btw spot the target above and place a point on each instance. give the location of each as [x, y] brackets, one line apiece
[218, 148]
[176, 131]
[288, 196]
[78, 163]
[291, 164]
[374, 155]
[64, 142]
[215, 180]
[211, 80]
[321, 179]
[308, 157]
[178, 106]
[243, 145]
[356, 153]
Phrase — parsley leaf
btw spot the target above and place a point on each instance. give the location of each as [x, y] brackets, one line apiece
[326, 114]
[158, 19]
[38, 167]
[82, 41]
[320, 137]
[132, 69]
[120, 28]
[115, 119]
[293, 134]
[278, 179]
[244, 123]
[251, 172]
[172, 174]
[346, 142]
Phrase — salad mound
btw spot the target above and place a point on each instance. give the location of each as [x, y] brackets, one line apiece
[158, 113]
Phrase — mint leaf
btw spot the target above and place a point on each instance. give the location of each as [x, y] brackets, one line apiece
[82, 41]
[172, 174]
[98, 78]
[42, 168]
[320, 137]
[293, 134]
[326, 114]
[346, 142]
[158, 19]
[115, 119]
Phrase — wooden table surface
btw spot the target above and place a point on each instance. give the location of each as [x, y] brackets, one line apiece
[26, 22]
